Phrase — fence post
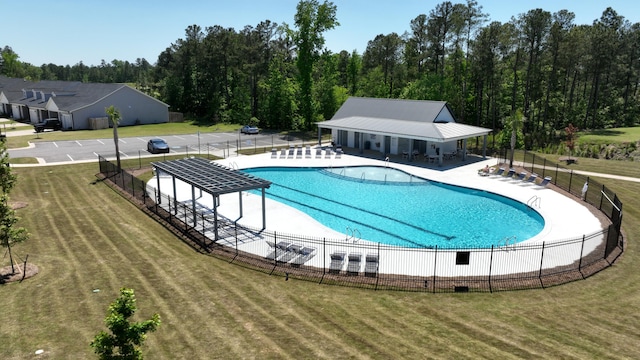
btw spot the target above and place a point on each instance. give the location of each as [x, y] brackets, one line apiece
[490, 267]
[435, 262]
[541, 261]
[570, 179]
[581, 253]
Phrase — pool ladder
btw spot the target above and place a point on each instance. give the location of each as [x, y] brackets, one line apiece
[351, 235]
[507, 243]
[534, 201]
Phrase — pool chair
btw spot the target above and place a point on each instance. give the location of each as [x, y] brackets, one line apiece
[278, 250]
[283, 153]
[307, 152]
[338, 153]
[337, 262]
[290, 253]
[510, 174]
[327, 154]
[353, 267]
[299, 152]
[318, 153]
[292, 152]
[498, 172]
[371, 265]
[545, 181]
[531, 179]
[274, 153]
[304, 254]
[521, 176]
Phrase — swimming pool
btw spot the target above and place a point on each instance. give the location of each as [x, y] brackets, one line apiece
[416, 213]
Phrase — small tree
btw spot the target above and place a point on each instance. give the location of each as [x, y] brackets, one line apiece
[9, 234]
[570, 133]
[515, 122]
[114, 116]
[126, 338]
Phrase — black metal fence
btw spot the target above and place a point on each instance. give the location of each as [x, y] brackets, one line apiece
[350, 262]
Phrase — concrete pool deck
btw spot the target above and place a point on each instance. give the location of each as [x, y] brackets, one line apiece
[565, 217]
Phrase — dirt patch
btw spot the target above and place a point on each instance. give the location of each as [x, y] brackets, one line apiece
[15, 205]
[20, 273]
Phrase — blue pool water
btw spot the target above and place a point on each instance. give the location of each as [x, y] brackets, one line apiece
[410, 211]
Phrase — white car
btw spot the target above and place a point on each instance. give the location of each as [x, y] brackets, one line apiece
[249, 130]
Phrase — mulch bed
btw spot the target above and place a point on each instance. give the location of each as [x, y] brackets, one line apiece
[20, 273]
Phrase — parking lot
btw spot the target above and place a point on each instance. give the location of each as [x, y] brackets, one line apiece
[220, 144]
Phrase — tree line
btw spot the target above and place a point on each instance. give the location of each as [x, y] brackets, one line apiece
[278, 76]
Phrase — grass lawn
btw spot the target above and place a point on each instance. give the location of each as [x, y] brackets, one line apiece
[85, 237]
[608, 136]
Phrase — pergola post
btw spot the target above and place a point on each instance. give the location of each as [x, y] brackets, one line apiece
[159, 197]
[319, 136]
[240, 204]
[264, 217]
[215, 217]
[175, 196]
[193, 205]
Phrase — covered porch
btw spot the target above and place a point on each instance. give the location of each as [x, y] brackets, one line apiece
[433, 142]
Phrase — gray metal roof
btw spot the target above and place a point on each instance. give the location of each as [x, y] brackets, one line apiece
[397, 109]
[69, 95]
[212, 178]
[428, 131]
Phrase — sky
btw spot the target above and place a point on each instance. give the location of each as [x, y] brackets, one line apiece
[66, 32]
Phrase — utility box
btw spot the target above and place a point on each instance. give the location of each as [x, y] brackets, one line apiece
[98, 123]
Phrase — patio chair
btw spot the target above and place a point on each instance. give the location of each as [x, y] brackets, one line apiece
[318, 153]
[353, 267]
[304, 254]
[510, 174]
[307, 152]
[545, 181]
[338, 153]
[299, 152]
[498, 172]
[531, 179]
[337, 262]
[274, 153]
[292, 152]
[283, 153]
[327, 154]
[521, 176]
[277, 250]
[289, 253]
[371, 265]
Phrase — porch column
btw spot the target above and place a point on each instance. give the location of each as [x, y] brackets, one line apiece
[319, 136]
[464, 149]
[484, 146]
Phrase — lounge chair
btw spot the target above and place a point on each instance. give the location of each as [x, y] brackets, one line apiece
[353, 267]
[545, 181]
[327, 154]
[274, 153]
[498, 172]
[283, 153]
[338, 153]
[292, 152]
[510, 173]
[337, 262]
[304, 254]
[521, 176]
[278, 250]
[299, 152]
[532, 178]
[290, 253]
[307, 152]
[371, 265]
[318, 153]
